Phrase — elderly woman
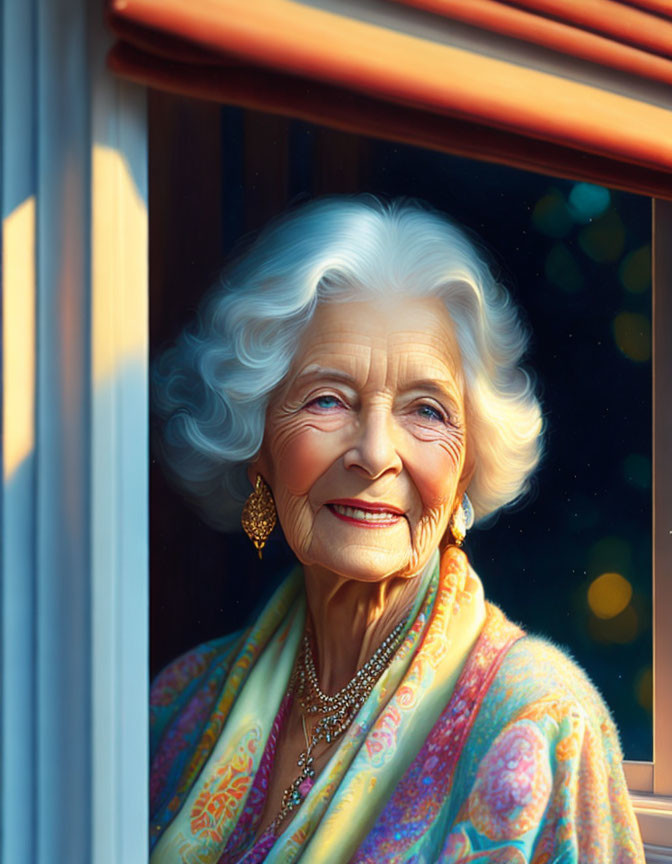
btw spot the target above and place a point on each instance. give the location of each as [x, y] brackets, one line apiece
[359, 368]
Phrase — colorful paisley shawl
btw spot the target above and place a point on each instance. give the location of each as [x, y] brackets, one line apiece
[478, 744]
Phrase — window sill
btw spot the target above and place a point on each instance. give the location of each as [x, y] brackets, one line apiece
[654, 814]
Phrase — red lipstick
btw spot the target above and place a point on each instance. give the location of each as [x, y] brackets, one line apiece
[371, 506]
[386, 514]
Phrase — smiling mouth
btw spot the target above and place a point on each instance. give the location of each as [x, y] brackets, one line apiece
[378, 518]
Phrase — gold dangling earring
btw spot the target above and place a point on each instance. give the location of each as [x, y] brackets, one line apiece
[259, 515]
[462, 520]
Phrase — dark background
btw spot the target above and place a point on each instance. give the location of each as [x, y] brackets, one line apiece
[575, 258]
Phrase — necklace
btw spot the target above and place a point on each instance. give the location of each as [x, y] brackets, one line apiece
[335, 712]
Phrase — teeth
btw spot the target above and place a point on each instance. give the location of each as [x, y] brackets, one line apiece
[365, 515]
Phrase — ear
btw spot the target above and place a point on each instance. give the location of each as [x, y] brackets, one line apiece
[468, 469]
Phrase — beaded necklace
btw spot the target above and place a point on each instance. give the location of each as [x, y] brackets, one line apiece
[336, 712]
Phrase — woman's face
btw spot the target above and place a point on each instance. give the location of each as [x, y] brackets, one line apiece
[365, 442]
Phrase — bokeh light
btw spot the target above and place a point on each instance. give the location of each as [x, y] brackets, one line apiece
[604, 239]
[635, 270]
[644, 687]
[637, 470]
[632, 334]
[551, 215]
[620, 630]
[587, 202]
[562, 269]
[608, 595]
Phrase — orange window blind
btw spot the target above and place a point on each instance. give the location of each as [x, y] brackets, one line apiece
[375, 78]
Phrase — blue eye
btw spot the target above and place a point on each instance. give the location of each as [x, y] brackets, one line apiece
[429, 412]
[326, 402]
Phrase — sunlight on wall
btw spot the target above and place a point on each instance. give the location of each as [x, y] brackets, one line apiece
[116, 336]
[18, 335]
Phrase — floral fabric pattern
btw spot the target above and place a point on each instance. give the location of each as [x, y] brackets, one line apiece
[217, 802]
[513, 784]
[478, 744]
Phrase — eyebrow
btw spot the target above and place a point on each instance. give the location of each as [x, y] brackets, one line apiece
[446, 386]
[314, 371]
[443, 386]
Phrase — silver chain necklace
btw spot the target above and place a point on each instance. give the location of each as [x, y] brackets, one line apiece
[336, 712]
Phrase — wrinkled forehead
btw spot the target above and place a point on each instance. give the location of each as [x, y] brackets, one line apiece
[414, 336]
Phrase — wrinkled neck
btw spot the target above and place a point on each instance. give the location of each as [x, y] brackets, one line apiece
[350, 619]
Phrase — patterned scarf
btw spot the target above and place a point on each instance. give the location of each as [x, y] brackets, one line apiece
[216, 710]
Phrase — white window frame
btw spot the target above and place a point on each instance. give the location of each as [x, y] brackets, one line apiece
[74, 556]
[74, 506]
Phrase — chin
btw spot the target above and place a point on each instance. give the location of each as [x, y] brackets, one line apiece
[364, 565]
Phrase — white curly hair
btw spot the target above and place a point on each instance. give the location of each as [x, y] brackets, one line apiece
[212, 387]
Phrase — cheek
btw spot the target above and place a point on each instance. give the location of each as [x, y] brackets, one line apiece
[435, 471]
[301, 454]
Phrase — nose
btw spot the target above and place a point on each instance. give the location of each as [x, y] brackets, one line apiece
[374, 450]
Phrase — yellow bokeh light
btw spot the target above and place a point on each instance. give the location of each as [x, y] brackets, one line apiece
[608, 595]
[632, 333]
